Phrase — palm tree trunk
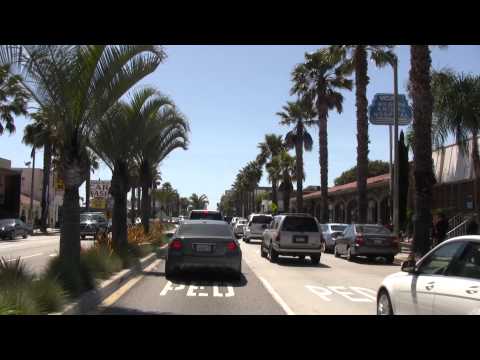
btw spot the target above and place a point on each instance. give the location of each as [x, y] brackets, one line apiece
[422, 149]
[146, 183]
[139, 198]
[47, 163]
[323, 159]
[70, 229]
[119, 189]
[361, 82]
[275, 192]
[87, 190]
[299, 164]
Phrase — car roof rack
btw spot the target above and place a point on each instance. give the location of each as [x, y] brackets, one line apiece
[297, 214]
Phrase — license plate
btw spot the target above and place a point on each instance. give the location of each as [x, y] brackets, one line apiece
[203, 248]
[300, 239]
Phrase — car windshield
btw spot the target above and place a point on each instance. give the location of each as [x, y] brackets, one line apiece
[205, 230]
[7, 222]
[340, 228]
[91, 217]
[372, 229]
[294, 223]
[205, 215]
[261, 220]
[242, 222]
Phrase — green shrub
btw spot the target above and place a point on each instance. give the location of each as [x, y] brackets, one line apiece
[48, 295]
[13, 273]
[101, 261]
[74, 281]
[16, 300]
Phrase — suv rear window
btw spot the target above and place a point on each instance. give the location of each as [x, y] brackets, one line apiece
[294, 223]
[261, 220]
[206, 215]
[204, 230]
[372, 229]
[340, 228]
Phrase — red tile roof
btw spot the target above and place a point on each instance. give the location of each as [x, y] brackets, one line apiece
[385, 178]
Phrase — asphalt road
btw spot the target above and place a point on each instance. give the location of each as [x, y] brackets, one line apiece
[35, 250]
[291, 286]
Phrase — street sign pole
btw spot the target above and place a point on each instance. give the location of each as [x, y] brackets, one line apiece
[395, 171]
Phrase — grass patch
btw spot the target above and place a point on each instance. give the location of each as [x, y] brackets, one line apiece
[101, 262]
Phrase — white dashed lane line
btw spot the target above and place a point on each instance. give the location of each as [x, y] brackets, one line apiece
[25, 257]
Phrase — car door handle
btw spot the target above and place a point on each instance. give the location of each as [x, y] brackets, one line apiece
[430, 285]
[472, 290]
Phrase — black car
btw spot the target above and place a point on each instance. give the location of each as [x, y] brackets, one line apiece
[93, 224]
[11, 228]
[206, 215]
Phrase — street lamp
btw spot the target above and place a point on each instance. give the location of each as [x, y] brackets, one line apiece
[396, 225]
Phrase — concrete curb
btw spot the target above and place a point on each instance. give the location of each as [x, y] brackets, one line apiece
[92, 298]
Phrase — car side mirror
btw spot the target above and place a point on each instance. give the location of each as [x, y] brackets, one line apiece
[409, 266]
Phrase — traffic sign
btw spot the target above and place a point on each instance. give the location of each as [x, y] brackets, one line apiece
[381, 110]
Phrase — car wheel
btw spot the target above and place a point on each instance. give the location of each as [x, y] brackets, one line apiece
[350, 257]
[315, 259]
[302, 257]
[390, 259]
[24, 235]
[247, 240]
[272, 254]
[335, 252]
[371, 258]
[83, 237]
[384, 305]
[12, 235]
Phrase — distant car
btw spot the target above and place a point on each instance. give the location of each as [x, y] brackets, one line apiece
[206, 215]
[256, 225]
[12, 228]
[330, 232]
[446, 281]
[93, 224]
[203, 244]
[239, 227]
[109, 226]
[295, 235]
[368, 240]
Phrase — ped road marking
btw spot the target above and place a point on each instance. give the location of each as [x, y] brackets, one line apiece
[26, 257]
[325, 293]
[120, 292]
[191, 292]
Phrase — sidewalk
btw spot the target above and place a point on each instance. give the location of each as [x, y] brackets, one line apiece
[50, 232]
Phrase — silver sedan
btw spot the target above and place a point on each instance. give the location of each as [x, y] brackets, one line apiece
[208, 244]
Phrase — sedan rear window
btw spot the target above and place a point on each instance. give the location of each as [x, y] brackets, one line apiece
[372, 229]
[340, 228]
[261, 220]
[205, 230]
[300, 224]
[205, 215]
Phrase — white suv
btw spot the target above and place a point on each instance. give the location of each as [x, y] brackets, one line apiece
[296, 235]
[256, 225]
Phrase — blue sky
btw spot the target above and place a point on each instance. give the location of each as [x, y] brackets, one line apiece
[230, 95]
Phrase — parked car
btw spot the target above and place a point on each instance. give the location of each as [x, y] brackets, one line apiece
[12, 228]
[206, 215]
[239, 227]
[256, 225]
[203, 244]
[367, 240]
[93, 224]
[295, 235]
[330, 232]
[446, 281]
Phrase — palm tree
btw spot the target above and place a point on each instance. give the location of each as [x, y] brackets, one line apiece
[270, 148]
[79, 85]
[184, 204]
[198, 202]
[92, 166]
[13, 98]
[41, 134]
[318, 79]
[287, 166]
[300, 114]
[164, 129]
[113, 140]
[355, 59]
[420, 86]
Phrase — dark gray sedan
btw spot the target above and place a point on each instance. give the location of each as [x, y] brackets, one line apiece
[367, 240]
[11, 228]
[206, 244]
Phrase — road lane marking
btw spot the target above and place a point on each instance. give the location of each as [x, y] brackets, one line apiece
[343, 291]
[320, 291]
[216, 292]
[191, 290]
[230, 292]
[369, 293]
[115, 296]
[277, 297]
[168, 287]
[25, 257]
[348, 292]
[202, 294]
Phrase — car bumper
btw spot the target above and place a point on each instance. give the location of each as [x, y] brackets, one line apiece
[88, 232]
[250, 235]
[374, 250]
[293, 252]
[182, 262]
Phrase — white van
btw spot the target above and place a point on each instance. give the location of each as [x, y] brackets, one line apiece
[256, 225]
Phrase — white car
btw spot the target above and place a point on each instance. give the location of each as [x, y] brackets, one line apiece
[239, 226]
[446, 281]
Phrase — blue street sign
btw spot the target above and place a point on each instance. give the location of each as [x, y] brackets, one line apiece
[381, 110]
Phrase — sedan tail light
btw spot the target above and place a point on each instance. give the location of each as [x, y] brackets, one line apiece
[176, 244]
[359, 240]
[231, 246]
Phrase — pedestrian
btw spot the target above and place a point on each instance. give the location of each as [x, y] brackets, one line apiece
[472, 228]
[441, 228]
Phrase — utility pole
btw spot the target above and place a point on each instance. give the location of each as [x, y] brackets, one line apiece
[396, 225]
[390, 213]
